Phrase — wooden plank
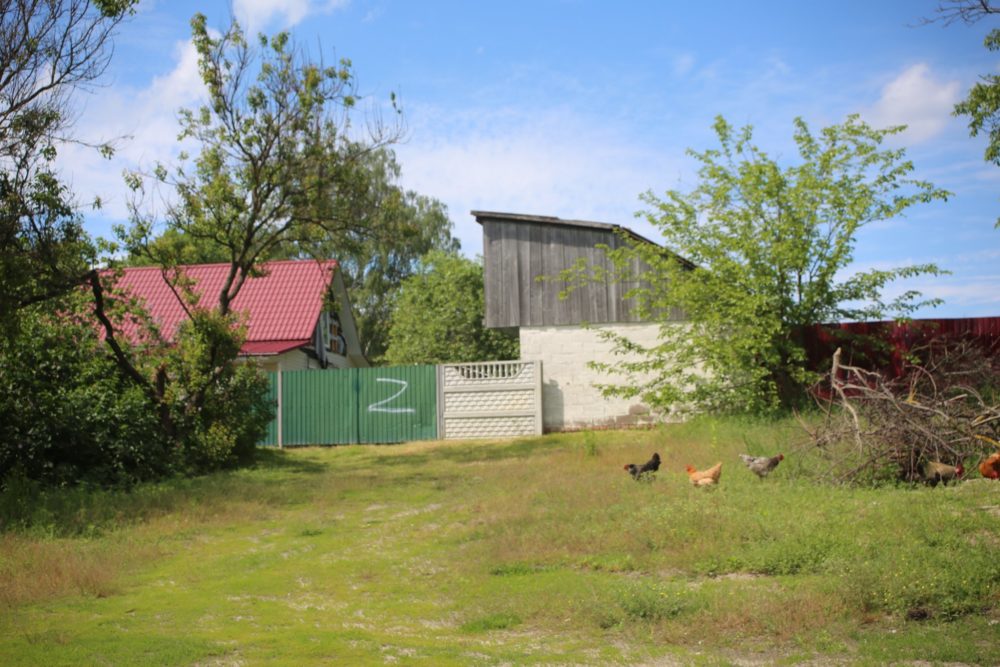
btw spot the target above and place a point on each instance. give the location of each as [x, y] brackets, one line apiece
[564, 307]
[491, 276]
[536, 250]
[552, 265]
[523, 242]
[510, 287]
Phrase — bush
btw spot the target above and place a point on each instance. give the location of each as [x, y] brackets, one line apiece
[219, 408]
[69, 416]
[66, 415]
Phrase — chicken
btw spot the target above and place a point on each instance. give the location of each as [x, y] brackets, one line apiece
[646, 470]
[990, 466]
[935, 471]
[762, 465]
[705, 477]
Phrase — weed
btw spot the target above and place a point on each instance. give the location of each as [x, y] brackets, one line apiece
[501, 621]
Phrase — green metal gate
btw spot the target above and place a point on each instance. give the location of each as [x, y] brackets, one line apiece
[354, 405]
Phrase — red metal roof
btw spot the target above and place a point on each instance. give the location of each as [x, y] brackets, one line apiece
[282, 306]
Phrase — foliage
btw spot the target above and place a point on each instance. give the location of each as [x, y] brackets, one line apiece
[393, 228]
[275, 147]
[399, 227]
[982, 105]
[48, 50]
[438, 316]
[66, 414]
[761, 249]
[219, 411]
[69, 415]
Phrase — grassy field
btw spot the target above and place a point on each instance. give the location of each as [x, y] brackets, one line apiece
[534, 551]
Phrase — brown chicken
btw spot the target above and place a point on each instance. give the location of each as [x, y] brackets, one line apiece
[935, 471]
[990, 466]
[762, 465]
[705, 477]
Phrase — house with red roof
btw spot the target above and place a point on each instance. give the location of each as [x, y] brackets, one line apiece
[297, 312]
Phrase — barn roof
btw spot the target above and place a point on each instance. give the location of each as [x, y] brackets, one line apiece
[552, 220]
[282, 306]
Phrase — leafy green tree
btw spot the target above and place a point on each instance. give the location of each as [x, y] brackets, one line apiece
[766, 251]
[48, 50]
[438, 316]
[397, 228]
[982, 104]
[274, 150]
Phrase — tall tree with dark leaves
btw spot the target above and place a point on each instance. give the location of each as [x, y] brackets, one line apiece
[49, 50]
[396, 227]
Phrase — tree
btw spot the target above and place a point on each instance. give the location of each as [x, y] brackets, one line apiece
[48, 50]
[982, 105]
[66, 414]
[762, 251]
[276, 146]
[394, 228]
[438, 316]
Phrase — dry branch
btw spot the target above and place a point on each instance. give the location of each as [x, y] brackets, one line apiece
[941, 408]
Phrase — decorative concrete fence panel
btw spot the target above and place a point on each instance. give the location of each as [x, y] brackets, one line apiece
[491, 399]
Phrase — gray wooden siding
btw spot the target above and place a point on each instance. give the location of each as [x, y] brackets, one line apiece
[517, 253]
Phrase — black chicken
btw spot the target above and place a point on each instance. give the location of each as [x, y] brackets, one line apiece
[646, 470]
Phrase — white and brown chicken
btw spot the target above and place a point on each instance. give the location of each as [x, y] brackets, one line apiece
[762, 465]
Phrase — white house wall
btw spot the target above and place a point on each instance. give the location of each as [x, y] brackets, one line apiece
[569, 398]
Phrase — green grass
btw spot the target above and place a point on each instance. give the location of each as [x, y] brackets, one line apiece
[534, 551]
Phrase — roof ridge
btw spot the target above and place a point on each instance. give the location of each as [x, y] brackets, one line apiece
[214, 264]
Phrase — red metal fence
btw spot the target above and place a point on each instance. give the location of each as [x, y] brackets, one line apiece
[884, 345]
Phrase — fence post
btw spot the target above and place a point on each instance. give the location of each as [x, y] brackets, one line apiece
[439, 379]
[280, 408]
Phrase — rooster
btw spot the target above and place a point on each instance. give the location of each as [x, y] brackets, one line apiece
[990, 466]
[705, 477]
[762, 465]
[935, 471]
[646, 470]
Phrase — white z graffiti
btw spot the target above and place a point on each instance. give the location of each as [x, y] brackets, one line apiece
[377, 407]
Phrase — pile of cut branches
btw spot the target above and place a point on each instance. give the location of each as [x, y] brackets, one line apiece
[876, 428]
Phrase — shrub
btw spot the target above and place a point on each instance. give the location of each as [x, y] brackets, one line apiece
[66, 415]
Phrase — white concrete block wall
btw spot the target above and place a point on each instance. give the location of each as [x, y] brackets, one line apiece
[569, 398]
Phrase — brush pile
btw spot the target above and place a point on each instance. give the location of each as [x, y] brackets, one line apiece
[876, 428]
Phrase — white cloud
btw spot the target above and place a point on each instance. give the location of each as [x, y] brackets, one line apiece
[917, 99]
[536, 162]
[257, 14]
[146, 121]
[683, 64]
[964, 296]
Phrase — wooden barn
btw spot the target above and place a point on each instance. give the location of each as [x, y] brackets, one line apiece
[523, 257]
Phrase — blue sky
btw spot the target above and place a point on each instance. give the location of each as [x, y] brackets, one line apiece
[573, 108]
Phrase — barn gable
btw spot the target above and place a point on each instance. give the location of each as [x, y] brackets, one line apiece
[523, 257]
